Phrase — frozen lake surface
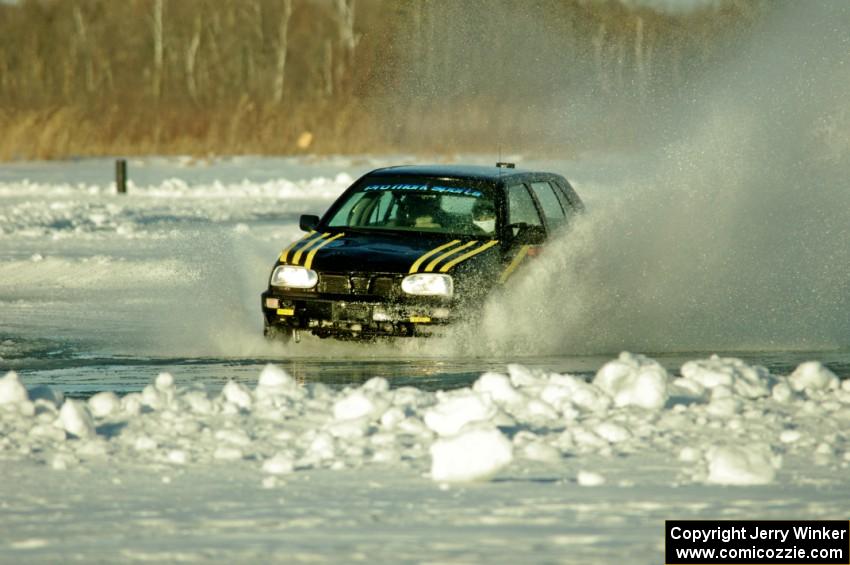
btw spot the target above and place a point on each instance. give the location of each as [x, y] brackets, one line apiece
[147, 419]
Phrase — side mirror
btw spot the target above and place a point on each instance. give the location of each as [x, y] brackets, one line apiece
[526, 234]
[308, 222]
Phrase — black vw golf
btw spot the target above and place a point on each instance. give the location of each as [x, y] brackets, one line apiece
[405, 250]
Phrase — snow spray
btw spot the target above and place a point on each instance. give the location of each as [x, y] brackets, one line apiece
[736, 239]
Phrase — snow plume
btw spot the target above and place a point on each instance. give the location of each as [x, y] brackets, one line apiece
[216, 312]
[582, 75]
[735, 237]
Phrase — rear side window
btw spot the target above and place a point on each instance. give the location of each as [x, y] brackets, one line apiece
[549, 202]
[521, 208]
[569, 199]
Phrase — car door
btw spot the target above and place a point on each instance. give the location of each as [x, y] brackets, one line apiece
[524, 231]
[523, 219]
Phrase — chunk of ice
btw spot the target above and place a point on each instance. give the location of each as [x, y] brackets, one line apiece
[104, 403]
[741, 465]
[812, 376]
[457, 409]
[76, 419]
[11, 389]
[634, 380]
[590, 479]
[472, 455]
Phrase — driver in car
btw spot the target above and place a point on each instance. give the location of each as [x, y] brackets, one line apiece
[484, 216]
[420, 211]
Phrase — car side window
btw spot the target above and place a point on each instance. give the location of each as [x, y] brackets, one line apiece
[364, 209]
[569, 199]
[353, 210]
[549, 202]
[565, 202]
[521, 208]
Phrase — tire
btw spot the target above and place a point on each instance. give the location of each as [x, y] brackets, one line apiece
[277, 334]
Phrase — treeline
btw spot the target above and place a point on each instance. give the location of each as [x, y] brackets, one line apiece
[84, 77]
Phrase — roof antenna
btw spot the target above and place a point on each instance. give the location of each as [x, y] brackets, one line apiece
[501, 164]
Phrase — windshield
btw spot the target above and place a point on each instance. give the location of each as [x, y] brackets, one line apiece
[426, 205]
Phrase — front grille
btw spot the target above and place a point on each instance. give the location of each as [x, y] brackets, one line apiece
[384, 286]
[359, 284]
[355, 312]
[334, 284]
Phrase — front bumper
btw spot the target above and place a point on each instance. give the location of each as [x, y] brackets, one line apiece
[354, 317]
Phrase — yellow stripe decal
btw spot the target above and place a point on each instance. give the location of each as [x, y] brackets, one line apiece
[434, 251]
[293, 244]
[468, 254]
[312, 253]
[448, 254]
[520, 255]
[314, 241]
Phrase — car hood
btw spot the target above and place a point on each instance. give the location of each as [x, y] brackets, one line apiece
[386, 253]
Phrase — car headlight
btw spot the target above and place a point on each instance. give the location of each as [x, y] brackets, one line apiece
[428, 284]
[294, 277]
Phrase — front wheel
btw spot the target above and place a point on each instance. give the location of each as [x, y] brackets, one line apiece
[278, 334]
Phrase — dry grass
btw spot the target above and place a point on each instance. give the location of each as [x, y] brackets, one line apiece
[249, 129]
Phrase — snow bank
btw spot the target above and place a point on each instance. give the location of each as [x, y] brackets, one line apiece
[723, 421]
[64, 210]
[318, 187]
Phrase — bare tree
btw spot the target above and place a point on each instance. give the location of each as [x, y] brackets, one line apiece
[192, 56]
[640, 58]
[88, 60]
[282, 45]
[327, 68]
[599, 57]
[344, 11]
[157, 49]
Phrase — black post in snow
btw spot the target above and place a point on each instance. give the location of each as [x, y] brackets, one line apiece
[121, 176]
